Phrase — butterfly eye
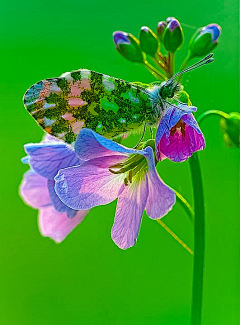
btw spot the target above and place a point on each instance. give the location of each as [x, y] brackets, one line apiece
[166, 89]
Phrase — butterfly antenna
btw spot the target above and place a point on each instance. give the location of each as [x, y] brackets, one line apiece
[208, 59]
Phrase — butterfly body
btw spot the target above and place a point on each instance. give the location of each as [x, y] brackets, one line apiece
[85, 98]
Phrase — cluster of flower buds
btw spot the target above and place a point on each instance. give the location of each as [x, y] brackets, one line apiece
[162, 46]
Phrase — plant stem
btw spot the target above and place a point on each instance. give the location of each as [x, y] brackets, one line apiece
[186, 206]
[154, 71]
[212, 112]
[162, 58]
[161, 64]
[174, 236]
[171, 57]
[198, 261]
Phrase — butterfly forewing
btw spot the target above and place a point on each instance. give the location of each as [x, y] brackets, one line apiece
[85, 98]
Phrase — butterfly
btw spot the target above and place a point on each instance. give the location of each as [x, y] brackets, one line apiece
[109, 106]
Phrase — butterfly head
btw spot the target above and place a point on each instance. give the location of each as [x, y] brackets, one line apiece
[169, 88]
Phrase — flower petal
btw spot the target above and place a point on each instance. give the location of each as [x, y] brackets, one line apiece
[90, 184]
[34, 191]
[178, 147]
[161, 198]
[190, 120]
[90, 145]
[57, 225]
[172, 116]
[57, 203]
[47, 158]
[130, 207]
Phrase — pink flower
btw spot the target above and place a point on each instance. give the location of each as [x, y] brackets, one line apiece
[113, 171]
[56, 220]
[178, 135]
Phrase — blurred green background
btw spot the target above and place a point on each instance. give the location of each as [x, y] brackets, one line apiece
[87, 279]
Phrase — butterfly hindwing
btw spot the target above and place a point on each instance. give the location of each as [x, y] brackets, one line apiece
[85, 98]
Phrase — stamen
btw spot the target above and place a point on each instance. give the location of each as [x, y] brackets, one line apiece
[130, 176]
[130, 167]
[179, 126]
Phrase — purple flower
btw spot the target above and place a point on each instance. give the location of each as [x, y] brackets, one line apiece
[56, 220]
[178, 135]
[113, 171]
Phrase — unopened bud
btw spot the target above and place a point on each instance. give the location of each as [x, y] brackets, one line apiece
[204, 40]
[161, 29]
[128, 46]
[173, 35]
[148, 41]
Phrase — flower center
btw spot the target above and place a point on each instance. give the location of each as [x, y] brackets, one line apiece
[134, 166]
[180, 126]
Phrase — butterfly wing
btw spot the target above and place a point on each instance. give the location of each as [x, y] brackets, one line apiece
[85, 98]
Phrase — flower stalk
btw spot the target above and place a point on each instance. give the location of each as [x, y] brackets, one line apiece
[186, 206]
[198, 261]
[157, 74]
[174, 236]
[171, 57]
[212, 112]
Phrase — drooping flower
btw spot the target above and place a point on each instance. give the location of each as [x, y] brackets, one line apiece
[113, 171]
[56, 220]
[178, 135]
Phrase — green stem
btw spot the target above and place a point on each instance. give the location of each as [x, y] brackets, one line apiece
[171, 62]
[186, 206]
[162, 58]
[154, 71]
[198, 261]
[160, 64]
[212, 112]
[174, 236]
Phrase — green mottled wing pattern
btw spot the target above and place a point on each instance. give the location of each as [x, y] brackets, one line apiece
[85, 98]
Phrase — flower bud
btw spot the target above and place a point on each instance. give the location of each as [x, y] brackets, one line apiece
[161, 29]
[231, 129]
[204, 40]
[128, 46]
[148, 41]
[173, 35]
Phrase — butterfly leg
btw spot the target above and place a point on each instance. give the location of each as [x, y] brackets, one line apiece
[144, 130]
